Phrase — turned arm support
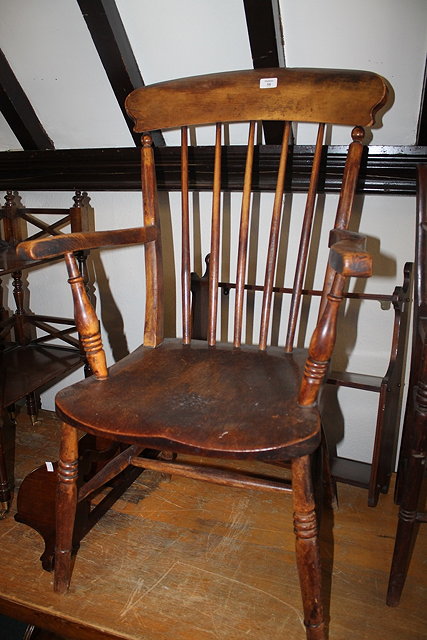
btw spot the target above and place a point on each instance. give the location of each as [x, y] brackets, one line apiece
[56, 246]
[66, 245]
[86, 320]
[347, 257]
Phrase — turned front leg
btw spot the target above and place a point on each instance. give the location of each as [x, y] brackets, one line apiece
[5, 494]
[307, 548]
[66, 504]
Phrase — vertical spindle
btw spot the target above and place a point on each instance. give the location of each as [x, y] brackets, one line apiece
[304, 242]
[274, 239]
[185, 264]
[243, 238]
[215, 235]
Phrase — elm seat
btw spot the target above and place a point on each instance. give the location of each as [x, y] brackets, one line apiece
[183, 396]
[204, 386]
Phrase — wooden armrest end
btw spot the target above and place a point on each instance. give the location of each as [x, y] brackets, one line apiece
[56, 246]
[348, 255]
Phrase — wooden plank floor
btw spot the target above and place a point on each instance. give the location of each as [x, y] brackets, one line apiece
[182, 560]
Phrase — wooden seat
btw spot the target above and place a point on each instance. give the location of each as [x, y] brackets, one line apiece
[211, 382]
[413, 450]
[210, 399]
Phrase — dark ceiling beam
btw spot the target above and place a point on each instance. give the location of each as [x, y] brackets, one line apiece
[385, 169]
[265, 33]
[422, 120]
[266, 43]
[18, 112]
[110, 39]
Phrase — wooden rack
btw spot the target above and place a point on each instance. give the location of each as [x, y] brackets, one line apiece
[35, 350]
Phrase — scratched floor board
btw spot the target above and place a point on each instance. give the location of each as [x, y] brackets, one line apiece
[181, 560]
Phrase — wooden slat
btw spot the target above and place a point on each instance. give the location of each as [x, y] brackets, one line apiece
[355, 380]
[185, 265]
[353, 472]
[215, 235]
[109, 471]
[304, 242]
[111, 41]
[389, 170]
[51, 229]
[273, 240]
[216, 476]
[243, 238]
[18, 111]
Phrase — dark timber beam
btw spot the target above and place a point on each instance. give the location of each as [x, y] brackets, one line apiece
[110, 39]
[18, 112]
[266, 42]
[385, 169]
[265, 33]
[422, 120]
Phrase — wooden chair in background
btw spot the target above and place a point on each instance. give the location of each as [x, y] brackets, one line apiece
[35, 349]
[215, 399]
[413, 451]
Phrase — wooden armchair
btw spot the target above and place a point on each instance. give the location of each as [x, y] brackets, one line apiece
[413, 451]
[216, 399]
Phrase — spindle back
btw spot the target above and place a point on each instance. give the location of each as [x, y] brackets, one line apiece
[289, 95]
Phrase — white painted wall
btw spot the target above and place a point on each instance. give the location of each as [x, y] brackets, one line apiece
[65, 81]
[385, 36]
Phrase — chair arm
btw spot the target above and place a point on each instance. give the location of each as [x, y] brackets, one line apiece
[55, 246]
[347, 254]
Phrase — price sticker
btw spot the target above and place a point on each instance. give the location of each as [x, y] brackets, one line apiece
[268, 83]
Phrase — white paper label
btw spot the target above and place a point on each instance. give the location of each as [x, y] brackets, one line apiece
[268, 83]
[49, 466]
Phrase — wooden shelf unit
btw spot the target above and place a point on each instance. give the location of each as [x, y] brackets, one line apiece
[35, 350]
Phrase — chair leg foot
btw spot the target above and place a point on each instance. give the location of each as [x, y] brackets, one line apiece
[316, 632]
[5, 483]
[62, 576]
[66, 504]
[307, 549]
[406, 528]
[4, 508]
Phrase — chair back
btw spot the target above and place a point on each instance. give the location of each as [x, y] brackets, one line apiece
[318, 96]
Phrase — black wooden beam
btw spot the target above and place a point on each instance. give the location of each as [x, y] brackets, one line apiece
[265, 33]
[110, 39]
[422, 120]
[18, 112]
[385, 169]
[266, 42]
